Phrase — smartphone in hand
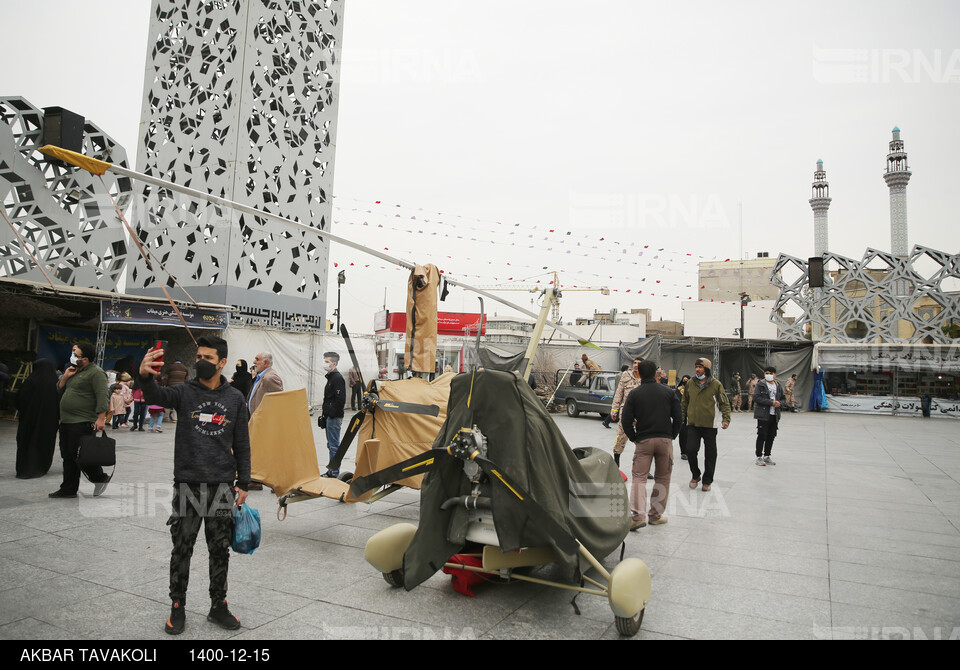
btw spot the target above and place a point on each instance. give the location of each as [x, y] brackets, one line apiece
[158, 363]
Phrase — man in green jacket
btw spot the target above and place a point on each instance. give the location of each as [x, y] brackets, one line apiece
[84, 400]
[702, 396]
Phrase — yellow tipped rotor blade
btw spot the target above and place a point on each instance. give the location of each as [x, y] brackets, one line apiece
[91, 165]
[588, 343]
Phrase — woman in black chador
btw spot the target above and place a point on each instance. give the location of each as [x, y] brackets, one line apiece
[39, 406]
[242, 380]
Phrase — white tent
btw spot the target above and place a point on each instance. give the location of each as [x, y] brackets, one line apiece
[298, 357]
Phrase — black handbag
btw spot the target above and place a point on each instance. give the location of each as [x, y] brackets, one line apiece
[97, 450]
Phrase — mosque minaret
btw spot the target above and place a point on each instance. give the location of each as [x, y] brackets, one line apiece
[897, 175]
[820, 202]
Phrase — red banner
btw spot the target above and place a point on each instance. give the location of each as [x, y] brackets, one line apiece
[448, 323]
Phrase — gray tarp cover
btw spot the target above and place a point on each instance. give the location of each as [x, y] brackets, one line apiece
[581, 489]
[683, 356]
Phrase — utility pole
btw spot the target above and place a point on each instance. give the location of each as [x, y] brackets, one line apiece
[744, 299]
[341, 280]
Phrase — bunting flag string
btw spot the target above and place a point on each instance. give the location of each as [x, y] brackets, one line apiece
[652, 291]
[635, 258]
[649, 269]
[627, 267]
[395, 211]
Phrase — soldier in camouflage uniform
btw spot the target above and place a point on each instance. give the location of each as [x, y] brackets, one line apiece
[788, 389]
[628, 382]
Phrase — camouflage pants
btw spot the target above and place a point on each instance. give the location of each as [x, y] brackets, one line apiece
[211, 504]
[621, 440]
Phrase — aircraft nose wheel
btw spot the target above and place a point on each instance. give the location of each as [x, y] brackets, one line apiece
[629, 593]
[627, 626]
[394, 578]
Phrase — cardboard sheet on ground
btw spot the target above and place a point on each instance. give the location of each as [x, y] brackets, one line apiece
[282, 452]
[398, 436]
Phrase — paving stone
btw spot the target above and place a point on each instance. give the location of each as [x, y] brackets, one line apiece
[769, 580]
[828, 544]
[30, 629]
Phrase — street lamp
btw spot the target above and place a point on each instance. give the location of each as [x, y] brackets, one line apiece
[341, 280]
[744, 299]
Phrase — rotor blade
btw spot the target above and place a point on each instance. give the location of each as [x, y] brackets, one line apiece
[353, 356]
[95, 166]
[539, 517]
[408, 468]
[407, 407]
[352, 431]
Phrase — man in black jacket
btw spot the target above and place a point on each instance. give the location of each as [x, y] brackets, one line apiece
[768, 398]
[651, 418]
[211, 465]
[334, 398]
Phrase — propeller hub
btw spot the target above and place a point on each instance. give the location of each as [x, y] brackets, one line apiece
[368, 401]
[467, 445]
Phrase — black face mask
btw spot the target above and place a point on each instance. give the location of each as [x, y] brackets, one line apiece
[205, 369]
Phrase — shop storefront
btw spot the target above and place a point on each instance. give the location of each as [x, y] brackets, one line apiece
[891, 379]
[44, 321]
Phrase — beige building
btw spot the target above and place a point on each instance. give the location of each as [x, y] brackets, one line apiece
[665, 328]
[634, 317]
[726, 280]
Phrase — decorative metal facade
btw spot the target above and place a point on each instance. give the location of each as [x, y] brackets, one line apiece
[240, 100]
[865, 301]
[63, 215]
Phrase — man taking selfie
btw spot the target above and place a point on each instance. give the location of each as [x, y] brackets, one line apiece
[211, 465]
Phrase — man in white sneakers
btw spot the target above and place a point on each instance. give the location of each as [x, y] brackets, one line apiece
[768, 398]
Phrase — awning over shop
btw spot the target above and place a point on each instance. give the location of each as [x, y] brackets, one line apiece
[87, 308]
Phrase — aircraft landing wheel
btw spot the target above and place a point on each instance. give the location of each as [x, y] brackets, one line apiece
[572, 409]
[629, 626]
[629, 593]
[395, 579]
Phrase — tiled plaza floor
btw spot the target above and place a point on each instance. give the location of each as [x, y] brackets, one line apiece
[854, 533]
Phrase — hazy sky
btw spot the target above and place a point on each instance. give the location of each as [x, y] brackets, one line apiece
[641, 123]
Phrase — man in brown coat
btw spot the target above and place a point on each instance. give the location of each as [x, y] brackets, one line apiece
[265, 380]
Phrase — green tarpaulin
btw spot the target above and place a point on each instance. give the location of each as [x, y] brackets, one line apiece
[582, 489]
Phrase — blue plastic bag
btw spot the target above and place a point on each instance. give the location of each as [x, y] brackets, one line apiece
[246, 529]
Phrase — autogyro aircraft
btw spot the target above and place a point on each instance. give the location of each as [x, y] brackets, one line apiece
[501, 487]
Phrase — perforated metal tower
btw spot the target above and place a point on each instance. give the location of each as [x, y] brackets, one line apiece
[240, 99]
